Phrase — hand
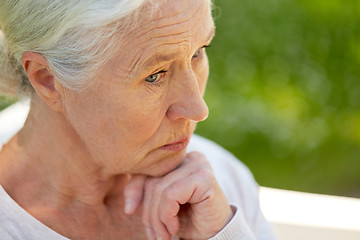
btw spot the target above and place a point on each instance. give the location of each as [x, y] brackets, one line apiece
[187, 202]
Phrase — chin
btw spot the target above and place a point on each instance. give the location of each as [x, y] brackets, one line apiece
[165, 165]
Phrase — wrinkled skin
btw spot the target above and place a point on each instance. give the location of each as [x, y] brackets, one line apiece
[110, 162]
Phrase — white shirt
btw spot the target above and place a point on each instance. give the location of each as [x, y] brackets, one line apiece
[233, 176]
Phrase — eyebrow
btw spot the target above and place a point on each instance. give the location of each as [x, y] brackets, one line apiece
[163, 58]
[159, 58]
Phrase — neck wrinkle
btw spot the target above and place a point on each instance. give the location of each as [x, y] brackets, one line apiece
[50, 166]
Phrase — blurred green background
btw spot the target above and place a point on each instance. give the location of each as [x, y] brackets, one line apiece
[284, 91]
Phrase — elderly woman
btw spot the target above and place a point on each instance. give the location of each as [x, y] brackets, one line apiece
[116, 90]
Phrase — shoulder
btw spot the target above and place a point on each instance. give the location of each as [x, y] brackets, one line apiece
[16, 223]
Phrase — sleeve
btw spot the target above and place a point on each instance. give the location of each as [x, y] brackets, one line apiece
[241, 190]
[237, 228]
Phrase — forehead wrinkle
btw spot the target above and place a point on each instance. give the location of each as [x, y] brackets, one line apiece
[168, 57]
[158, 57]
[155, 39]
[172, 26]
[170, 29]
[138, 56]
[160, 26]
[177, 11]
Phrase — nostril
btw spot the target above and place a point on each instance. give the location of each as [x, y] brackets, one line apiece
[191, 110]
[204, 112]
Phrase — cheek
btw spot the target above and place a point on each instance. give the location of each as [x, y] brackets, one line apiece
[85, 113]
[114, 130]
[113, 119]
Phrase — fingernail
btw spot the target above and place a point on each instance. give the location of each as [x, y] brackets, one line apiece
[149, 233]
[159, 238]
[129, 205]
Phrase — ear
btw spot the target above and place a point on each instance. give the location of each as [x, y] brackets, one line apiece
[42, 79]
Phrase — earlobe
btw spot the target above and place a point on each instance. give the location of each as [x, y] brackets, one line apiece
[42, 79]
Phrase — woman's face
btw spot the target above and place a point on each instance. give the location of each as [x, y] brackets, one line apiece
[144, 104]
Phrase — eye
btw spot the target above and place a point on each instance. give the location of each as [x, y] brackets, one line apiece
[152, 78]
[155, 77]
[197, 53]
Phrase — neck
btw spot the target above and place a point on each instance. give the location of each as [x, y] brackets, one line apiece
[49, 162]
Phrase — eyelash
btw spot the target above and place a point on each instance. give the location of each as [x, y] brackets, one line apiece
[200, 51]
[156, 83]
[159, 83]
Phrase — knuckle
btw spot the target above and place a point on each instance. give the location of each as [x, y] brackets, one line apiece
[167, 194]
[207, 174]
[197, 159]
[196, 155]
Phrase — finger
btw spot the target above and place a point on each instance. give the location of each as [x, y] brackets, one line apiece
[146, 210]
[133, 193]
[193, 162]
[209, 208]
[194, 189]
[196, 157]
[168, 213]
[164, 223]
[158, 226]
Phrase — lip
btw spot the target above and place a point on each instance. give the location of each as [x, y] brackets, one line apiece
[176, 146]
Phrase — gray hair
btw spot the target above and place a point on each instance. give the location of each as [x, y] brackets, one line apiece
[73, 36]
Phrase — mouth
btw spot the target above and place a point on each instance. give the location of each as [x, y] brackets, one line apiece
[176, 146]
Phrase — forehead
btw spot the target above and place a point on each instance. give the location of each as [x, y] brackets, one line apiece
[166, 13]
[176, 27]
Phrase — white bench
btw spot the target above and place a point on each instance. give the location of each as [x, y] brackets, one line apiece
[307, 216]
[294, 215]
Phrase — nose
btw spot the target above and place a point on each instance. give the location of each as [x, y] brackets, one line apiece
[188, 102]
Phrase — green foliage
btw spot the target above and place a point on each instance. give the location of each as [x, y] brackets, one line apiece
[6, 101]
[284, 91]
